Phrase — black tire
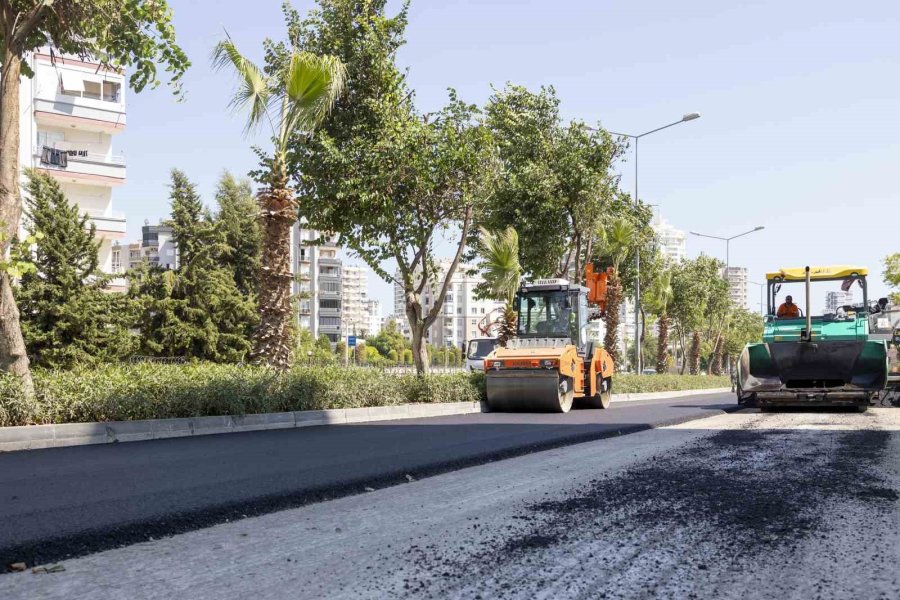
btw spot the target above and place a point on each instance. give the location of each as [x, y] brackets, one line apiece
[861, 408]
[600, 400]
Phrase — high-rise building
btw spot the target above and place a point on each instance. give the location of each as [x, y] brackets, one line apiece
[835, 300]
[70, 111]
[373, 309]
[355, 310]
[156, 248]
[737, 285]
[672, 241]
[317, 281]
[461, 315]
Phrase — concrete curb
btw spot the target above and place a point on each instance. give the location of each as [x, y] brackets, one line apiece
[34, 437]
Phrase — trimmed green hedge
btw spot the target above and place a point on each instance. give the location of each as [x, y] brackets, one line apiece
[123, 392]
[625, 383]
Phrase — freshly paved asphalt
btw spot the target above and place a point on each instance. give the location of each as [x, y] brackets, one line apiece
[64, 502]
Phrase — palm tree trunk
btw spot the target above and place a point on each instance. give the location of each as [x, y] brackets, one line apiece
[507, 325]
[662, 345]
[613, 304]
[695, 354]
[273, 337]
[716, 363]
[13, 355]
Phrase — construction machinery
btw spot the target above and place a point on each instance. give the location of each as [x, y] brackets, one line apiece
[806, 360]
[550, 365]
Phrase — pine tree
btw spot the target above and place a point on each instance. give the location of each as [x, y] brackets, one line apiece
[197, 310]
[238, 221]
[67, 317]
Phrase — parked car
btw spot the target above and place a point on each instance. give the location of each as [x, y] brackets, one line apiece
[477, 350]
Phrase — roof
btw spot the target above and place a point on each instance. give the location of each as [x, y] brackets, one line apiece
[818, 273]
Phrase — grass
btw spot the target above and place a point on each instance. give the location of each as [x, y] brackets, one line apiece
[124, 392]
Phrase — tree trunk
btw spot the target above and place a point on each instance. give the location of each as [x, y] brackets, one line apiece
[695, 353]
[13, 356]
[507, 325]
[273, 337]
[716, 363]
[662, 345]
[419, 350]
[613, 303]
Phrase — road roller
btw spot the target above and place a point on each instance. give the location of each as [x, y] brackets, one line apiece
[550, 365]
[832, 359]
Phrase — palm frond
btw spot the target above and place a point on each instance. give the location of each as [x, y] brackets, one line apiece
[500, 262]
[253, 90]
[311, 86]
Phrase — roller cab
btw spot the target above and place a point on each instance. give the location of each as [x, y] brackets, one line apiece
[549, 366]
[815, 360]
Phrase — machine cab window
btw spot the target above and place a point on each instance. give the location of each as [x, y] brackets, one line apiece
[553, 314]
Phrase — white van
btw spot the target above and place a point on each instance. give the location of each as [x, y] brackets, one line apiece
[477, 350]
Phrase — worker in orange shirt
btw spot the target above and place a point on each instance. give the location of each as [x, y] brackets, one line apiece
[788, 310]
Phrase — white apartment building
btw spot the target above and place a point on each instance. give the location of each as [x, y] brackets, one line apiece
[837, 299]
[461, 314]
[373, 310]
[70, 112]
[737, 286]
[156, 248]
[355, 295]
[317, 282]
[672, 241]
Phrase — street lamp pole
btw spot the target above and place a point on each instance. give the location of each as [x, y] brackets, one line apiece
[727, 241]
[637, 259]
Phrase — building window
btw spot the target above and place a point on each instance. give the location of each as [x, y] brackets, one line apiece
[330, 321]
[482, 310]
[330, 286]
[330, 271]
[116, 260]
[330, 303]
[474, 321]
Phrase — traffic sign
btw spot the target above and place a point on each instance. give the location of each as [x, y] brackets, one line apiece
[351, 341]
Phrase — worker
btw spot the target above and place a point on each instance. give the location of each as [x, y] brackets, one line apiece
[788, 310]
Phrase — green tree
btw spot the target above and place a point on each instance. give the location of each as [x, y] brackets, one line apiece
[891, 275]
[502, 272]
[195, 311]
[557, 180]
[616, 238]
[136, 35]
[323, 343]
[658, 300]
[695, 284]
[388, 339]
[292, 98]
[744, 327]
[67, 317]
[238, 220]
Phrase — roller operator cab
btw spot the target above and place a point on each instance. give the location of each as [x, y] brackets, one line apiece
[550, 364]
[831, 359]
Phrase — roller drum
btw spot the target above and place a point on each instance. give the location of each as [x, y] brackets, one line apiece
[529, 391]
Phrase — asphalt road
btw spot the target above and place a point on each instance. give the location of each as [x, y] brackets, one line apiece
[740, 506]
[63, 502]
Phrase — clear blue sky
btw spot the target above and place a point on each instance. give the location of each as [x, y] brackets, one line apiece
[800, 105]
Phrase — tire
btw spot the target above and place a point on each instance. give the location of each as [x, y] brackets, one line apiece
[861, 408]
[600, 400]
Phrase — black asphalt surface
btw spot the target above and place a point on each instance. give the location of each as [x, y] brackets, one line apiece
[65, 502]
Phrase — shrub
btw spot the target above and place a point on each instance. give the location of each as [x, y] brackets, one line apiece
[628, 383]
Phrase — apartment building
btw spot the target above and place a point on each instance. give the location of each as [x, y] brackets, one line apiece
[672, 241]
[70, 112]
[737, 286]
[373, 310]
[355, 295]
[837, 299]
[318, 281]
[462, 312]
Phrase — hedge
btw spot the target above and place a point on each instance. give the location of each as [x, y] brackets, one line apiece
[123, 392]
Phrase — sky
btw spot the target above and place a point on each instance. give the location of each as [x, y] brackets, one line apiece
[799, 103]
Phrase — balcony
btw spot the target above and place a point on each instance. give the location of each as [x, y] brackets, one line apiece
[109, 224]
[81, 167]
[98, 110]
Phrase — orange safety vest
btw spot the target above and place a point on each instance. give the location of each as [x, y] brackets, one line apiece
[786, 311]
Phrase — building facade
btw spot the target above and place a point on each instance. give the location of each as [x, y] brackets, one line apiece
[355, 294]
[317, 281]
[737, 286]
[672, 241]
[373, 312]
[462, 313]
[835, 300]
[70, 112]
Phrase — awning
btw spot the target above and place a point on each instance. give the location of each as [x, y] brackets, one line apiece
[71, 81]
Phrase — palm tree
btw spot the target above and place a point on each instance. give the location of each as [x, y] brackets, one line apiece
[501, 271]
[661, 294]
[296, 98]
[618, 238]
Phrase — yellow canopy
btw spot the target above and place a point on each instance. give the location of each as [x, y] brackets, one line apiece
[817, 273]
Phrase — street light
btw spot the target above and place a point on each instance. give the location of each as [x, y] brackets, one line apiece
[762, 286]
[637, 259]
[727, 241]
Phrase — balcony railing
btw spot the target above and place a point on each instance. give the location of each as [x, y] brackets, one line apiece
[109, 168]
